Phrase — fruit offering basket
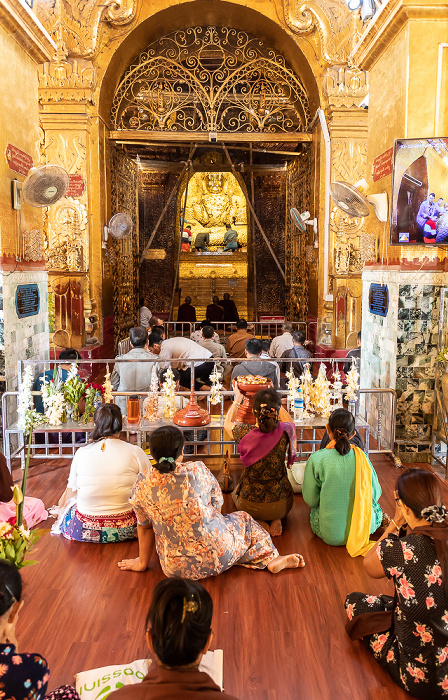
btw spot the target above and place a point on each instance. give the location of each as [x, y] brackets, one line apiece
[249, 385]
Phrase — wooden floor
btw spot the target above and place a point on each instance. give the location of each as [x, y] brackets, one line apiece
[283, 636]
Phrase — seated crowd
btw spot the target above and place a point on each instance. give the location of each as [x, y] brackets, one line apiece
[117, 492]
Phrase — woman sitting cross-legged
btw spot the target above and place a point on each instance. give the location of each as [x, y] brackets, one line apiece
[342, 489]
[95, 506]
[408, 634]
[179, 633]
[183, 504]
[264, 490]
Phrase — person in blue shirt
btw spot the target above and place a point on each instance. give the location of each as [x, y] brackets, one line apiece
[69, 354]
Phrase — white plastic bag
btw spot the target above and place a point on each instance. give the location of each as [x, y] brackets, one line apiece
[295, 476]
[100, 682]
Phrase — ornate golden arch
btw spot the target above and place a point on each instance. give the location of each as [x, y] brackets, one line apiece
[210, 79]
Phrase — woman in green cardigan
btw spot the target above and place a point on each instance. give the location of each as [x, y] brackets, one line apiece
[339, 481]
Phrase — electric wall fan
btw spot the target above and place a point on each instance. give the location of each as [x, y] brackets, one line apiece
[300, 220]
[42, 187]
[120, 226]
[353, 202]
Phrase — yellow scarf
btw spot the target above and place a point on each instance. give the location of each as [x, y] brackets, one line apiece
[358, 543]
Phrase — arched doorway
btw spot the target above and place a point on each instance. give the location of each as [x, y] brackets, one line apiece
[216, 84]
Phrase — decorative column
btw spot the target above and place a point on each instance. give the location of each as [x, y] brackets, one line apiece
[66, 95]
[345, 88]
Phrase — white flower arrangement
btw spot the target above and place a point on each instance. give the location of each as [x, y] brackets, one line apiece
[322, 402]
[337, 389]
[307, 389]
[169, 388]
[27, 416]
[151, 403]
[351, 392]
[73, 372]
[107, 386]
[53, 400]
[215, 393]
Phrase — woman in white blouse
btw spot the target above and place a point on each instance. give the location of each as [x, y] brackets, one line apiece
[95, 506]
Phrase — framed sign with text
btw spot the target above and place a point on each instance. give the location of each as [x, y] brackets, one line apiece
[27, 300]
[378, 299]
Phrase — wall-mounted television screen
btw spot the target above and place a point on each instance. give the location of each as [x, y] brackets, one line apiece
[420, 192]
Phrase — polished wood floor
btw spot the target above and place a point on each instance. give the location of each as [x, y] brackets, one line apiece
[283, 636]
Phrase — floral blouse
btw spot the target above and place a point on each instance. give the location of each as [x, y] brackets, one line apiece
[22, 676]
[421, 613]
[266, 481]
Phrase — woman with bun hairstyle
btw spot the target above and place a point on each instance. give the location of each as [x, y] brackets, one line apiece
[95, 506]
[178, 633]
[182, 502]
[264, 490]
[408, 634]
[23, 676]
[342, 489]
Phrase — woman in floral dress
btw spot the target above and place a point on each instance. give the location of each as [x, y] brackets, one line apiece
[408, 634]
[182, 502]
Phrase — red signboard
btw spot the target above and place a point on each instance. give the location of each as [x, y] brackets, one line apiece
[18, 160]
[382, 165]
[76, 186]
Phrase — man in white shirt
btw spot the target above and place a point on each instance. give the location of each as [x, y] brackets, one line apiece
[145, 313]
[217, 350]
[197, 335]
[177, 351]
[282, 342]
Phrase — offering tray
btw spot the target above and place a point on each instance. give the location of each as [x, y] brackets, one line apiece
[249, 385]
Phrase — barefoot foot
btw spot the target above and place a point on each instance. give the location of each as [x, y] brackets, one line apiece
[276, 528]
[264, 525]
[289, 561]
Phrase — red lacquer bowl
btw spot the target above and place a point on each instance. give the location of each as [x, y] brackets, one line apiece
[249, 389]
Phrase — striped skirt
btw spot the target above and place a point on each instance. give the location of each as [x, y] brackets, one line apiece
[99, 528]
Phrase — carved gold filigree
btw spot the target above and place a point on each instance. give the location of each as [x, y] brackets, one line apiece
[210, 79]
[76, 27]
[345, 87]
[66, 241]
[32, 245]
[337, 27]
[72, 80]
[347, 242]
[67, 150]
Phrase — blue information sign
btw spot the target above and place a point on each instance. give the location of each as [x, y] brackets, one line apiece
[378, 299]
[27, 300]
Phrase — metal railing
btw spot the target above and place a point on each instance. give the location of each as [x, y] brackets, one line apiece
[213, 444]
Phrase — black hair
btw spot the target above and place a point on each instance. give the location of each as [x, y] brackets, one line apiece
[228, 226]
[107, 420]
[142, 301]
[166, 443]
[10, 585]
[418, 489]
[161, 375]
[226, 296]
[179, 619]
[186, 300]
[298, 337]
[266, 407]
[217, 299]
[154, 321]
[208, 331]
[266, 344]
[154, 339]
[206, 323]
[253, 346]
[158, 330]
[432, 194]
[138, 337]
[188, 226]
[342, 425]
[359, 335]
[69, 354]
[242, 323]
